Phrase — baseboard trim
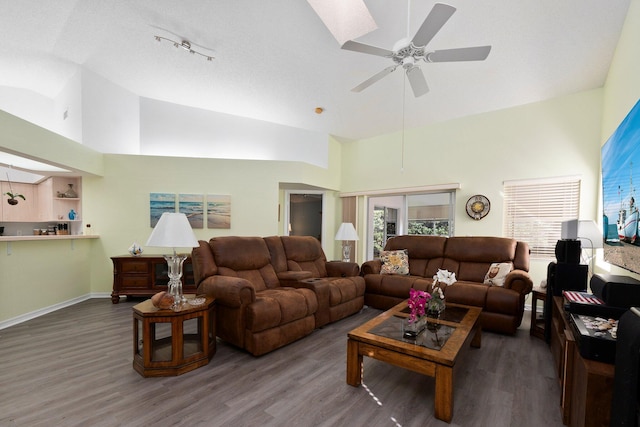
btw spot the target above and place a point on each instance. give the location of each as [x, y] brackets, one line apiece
[42, 311]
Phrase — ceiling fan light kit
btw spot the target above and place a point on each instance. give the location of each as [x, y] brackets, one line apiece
[185, 45]
[407, 53]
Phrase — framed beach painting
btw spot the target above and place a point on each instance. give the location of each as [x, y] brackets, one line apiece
[218, 211]
[192, 206]
[160, 203]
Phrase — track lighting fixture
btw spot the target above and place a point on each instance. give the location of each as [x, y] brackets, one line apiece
[186, 46]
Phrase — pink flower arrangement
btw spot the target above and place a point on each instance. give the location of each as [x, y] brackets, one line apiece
[417, 303]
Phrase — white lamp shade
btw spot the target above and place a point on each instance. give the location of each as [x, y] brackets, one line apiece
[589, 234]
[173, 231]
[346, 232]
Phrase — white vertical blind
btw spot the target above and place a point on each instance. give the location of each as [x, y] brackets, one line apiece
[534, 211]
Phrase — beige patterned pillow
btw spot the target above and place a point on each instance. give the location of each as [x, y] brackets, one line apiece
[497, 273]
[395, 262]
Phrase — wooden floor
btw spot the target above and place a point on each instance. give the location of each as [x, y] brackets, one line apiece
[73, 367]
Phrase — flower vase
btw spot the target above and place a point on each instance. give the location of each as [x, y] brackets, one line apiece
[435, 308]
[411, 330]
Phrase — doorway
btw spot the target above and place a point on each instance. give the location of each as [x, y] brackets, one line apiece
[305, 214]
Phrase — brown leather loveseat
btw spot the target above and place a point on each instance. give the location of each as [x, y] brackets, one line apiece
[275, 290]
[253, 310]
[470, 259]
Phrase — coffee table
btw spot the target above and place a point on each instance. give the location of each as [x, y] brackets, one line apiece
[434, 352]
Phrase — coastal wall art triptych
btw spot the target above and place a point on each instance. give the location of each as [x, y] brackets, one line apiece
[216, 207]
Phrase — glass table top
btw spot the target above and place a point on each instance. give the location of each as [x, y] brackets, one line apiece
[433, 335]
[450, 314]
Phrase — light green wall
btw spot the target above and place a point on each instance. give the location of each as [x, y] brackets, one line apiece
[622, 88]
[117, 204]
[18, 136]
[554, 138]
[36, 275]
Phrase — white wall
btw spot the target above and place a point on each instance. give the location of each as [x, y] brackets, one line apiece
[110, 116]
[169, 129]
[554, 138]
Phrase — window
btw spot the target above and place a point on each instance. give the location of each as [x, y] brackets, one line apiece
[416, 213]
[534, 211]
[431, 214]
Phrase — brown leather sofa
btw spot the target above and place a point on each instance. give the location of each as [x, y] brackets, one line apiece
[253, 310]
[469, 258]
[275, 290]
[337, 285]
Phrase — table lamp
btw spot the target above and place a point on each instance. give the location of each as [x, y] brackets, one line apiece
[346, 233]
[174, 231]
[593, 236]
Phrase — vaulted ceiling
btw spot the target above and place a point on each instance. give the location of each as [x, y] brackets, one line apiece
[276, 61]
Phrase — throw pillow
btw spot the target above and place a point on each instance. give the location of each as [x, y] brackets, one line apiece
[395, 262]
[497, 273]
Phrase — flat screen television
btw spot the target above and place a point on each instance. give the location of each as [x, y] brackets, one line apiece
[620, 175]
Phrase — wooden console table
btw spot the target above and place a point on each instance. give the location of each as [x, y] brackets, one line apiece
[586, 385]
[168, 342]
[146, 275]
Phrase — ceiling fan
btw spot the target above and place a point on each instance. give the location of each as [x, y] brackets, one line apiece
[407, 53]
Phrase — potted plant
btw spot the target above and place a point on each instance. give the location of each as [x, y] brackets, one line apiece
[12, 200]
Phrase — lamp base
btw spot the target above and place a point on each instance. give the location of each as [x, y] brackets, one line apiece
[346, 252]
[174, 262]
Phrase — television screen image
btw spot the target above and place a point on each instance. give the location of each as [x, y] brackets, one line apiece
[620, 174]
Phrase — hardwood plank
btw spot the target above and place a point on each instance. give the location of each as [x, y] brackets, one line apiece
[73, 367]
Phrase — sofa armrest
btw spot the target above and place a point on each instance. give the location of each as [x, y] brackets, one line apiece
[520, 281]
[342, 269]
[371, 267]
[291, 278]
[321, 288]
[228, 291]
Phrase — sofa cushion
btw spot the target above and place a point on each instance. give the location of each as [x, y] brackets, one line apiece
[395, 262]
[471, 257]
[425, 252]
[275, 307]
[467, 293]
[304, 253]
[395, 286]
[344, 289]
[497, 273]
[245, 257]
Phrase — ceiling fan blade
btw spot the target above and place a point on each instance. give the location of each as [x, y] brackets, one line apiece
[365, 48]
[438, 16]
[478, 53]
[417, 81]
[371, 80]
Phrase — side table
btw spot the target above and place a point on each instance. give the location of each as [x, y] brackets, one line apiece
[169, 343]
[537, 323]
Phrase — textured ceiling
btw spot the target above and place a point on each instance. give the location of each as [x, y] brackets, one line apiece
[276, 61]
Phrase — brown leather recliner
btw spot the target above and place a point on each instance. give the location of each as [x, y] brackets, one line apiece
[253, 310]
[300, 261]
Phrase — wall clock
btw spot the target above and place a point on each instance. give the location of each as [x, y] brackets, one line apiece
[478, 206]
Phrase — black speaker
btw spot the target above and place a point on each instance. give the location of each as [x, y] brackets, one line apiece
[566, 277]
[562, 277]
[625, 405]
[568, 251]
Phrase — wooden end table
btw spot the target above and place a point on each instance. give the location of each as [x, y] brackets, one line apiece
[434, 353]
[169, 343]
[538, 323]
